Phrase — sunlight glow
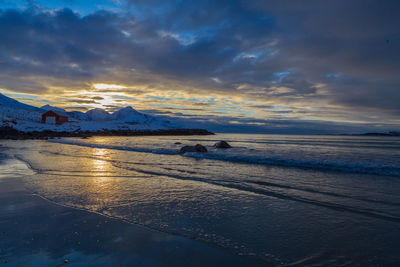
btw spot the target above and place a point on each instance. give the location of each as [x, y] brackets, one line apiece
[103, 86]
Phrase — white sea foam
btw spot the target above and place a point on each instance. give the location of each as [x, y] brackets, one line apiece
[266, 195]
[253, 156]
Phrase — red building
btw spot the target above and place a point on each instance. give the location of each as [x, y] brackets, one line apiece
[53, 118]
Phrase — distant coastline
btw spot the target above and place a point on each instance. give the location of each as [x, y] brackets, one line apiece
[379, 134]
[13, 134]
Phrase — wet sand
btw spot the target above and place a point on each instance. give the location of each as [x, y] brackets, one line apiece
[36, 232]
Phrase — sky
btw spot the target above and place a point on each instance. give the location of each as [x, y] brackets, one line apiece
[277, 66]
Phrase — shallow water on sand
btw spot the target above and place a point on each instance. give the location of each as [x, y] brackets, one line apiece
[306, 200]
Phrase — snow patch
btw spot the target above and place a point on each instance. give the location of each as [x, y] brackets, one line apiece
[28, 118]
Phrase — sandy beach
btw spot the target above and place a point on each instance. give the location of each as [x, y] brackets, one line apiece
[37, 232]
[137, 201]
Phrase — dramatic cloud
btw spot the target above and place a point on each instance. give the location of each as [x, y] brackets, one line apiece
[274, 62]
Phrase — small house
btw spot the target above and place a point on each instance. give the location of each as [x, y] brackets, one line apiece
[52, 117]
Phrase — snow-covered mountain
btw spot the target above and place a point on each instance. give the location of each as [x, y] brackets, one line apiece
[12, 103]
[78, 115]
[11, 110]
[127, 115]
[131, 115]
[98, 114]
[28, 118]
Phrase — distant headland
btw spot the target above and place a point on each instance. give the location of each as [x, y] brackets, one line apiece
[393, 133]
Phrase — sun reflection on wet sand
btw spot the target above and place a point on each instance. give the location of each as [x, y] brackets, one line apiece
[101, 167]
[98, 164]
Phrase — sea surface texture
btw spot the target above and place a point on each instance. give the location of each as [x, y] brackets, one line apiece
[285, 199]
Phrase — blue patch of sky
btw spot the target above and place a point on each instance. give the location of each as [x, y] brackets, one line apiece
[248, 56]
[183, 38]
[158, 97]
[16, 95]
[198, 100]
[248, 112]
[82, 7]
[257, 54]
[333, 75]
[187, 38]
[228, 108]
[212, 100]
[282, 74]
[123, 97]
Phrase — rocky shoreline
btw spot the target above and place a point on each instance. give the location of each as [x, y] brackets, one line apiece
[380, 134]
[13, 134]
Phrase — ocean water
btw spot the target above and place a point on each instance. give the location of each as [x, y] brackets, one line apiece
[286, 199]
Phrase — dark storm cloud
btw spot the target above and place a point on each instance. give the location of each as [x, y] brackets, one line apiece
[282, 50]
[359, 39]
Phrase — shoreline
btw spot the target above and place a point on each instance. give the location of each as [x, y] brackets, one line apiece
[270, 215]
[38, 232]
[13, 134]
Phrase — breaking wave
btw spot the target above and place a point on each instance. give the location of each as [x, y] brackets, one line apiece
[246, 156]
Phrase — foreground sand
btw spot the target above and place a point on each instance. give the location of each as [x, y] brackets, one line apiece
[36, 232]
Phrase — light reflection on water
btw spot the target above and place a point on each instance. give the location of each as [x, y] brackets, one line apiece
[276, 213]
[100, 167]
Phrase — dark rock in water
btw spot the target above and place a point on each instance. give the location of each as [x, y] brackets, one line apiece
[178, 143]
[200, 148]
[222, 144]
[196, 148]
[187, 149]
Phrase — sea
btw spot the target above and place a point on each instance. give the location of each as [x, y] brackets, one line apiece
[288, 200]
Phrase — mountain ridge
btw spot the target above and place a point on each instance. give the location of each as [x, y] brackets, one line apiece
[125, 114]
[25, 117]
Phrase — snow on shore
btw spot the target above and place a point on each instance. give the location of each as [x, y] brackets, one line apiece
[28, 118]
